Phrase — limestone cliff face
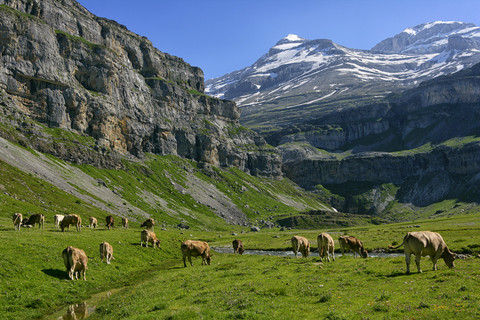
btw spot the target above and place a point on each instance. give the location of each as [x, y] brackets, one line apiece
[66, 68]
[441, 116]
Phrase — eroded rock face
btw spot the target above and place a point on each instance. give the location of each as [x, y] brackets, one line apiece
[66, 68]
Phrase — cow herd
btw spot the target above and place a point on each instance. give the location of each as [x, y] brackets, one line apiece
[422, 243]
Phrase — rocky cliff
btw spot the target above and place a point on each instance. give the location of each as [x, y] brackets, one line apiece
[62, 67]
[432, 130]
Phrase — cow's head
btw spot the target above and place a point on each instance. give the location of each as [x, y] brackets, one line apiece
[449, 257]
[363, 252]
[209, 258]
[156, 243]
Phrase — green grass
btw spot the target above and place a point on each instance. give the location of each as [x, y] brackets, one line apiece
[77, 39]
[153, 284]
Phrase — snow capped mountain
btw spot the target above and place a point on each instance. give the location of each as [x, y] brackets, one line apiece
[300, 79]
[432, 37]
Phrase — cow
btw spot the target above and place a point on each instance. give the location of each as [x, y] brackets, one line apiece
[148, 224]
[148, 236]
[301, 244]
[326, 246]
[35, 218]
[93, 222]
[194, 248]
[71, 219]
[106, 252]
[17, 220]
[351, 243]
[125, 223]
[426, 243]
[75, 261]
[237, 246]
[109, 222]
[57, 219]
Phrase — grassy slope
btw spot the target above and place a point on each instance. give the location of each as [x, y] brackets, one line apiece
[154, 285]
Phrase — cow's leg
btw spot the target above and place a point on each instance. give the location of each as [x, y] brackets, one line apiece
[407, 262]
[184, 258]
[417, 262]
[434, 261]
[333, 254]
[190, 260]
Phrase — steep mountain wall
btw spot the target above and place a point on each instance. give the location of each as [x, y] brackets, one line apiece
[65, 68]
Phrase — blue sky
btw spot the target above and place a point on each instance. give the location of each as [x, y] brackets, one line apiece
[222, 36]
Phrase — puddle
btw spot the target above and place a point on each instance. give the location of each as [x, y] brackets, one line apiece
[81, 310]
[312, 254]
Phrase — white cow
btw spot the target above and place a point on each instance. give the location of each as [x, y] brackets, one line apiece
[426, 243]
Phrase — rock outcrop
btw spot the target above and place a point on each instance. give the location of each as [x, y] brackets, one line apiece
[65, 68]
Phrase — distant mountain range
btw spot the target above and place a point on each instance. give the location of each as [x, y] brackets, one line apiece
[299, 79]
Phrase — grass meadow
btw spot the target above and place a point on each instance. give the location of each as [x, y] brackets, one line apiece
[151, 283]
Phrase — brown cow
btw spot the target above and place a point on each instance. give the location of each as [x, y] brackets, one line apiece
[75, 261]
[57, 219]
[193, 248]
[71, 219]
[109, 222]
[17, 220]
[93, 222]
[301, 244]
[125, 223]
[149, 236]
[148, 224]
[35, 218]
[351, 243]
[237, 246]
[326, 246]
[426, 243]
[106, 251]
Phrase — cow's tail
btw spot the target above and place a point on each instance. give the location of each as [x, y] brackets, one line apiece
[16, 219]
[403, 242]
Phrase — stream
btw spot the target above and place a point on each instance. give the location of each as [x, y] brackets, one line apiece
[313, 254]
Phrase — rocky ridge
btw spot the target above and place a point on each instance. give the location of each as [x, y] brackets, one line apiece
[302, 79]
[65, 68]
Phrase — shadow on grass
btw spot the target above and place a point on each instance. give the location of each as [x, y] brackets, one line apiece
[396, 274]
[56, 273]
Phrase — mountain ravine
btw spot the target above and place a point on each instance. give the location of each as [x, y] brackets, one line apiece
[63, 67]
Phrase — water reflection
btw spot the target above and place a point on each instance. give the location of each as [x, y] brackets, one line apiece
[76, 312]
[291, 254]
[81, 310]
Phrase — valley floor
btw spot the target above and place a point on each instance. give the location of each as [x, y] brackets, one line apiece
[153, 284]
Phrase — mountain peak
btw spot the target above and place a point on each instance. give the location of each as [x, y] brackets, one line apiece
[291, 38]
[431, 37]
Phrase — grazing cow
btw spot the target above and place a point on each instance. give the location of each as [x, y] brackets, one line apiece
[75, 261]
[326, 246]
[57, 219]
[149, 236]
[71, 219]
[237, 246]
[125, 223]
[193, 248]
[35, 218]
[93, 222]
[148, 224]
[17, 220]
[426, 243]
[109, 222]
[351, 243]
[106, 251]
[301, 244]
